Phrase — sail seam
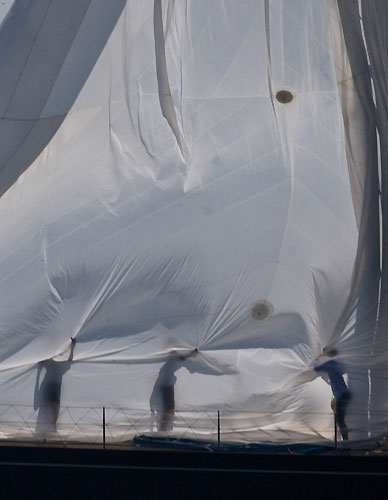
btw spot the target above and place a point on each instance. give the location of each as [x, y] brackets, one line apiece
[164, 90]
[380, 209]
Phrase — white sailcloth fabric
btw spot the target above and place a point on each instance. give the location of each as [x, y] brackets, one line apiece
[157, 195]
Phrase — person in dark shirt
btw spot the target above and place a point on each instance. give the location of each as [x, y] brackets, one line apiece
[162, 401]
[341, 393]
[48, 394]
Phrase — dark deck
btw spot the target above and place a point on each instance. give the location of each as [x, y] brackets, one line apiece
[89, 473]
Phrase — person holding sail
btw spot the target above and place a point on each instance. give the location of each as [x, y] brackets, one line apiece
[47, 395]
[342, 396]
[162, 401]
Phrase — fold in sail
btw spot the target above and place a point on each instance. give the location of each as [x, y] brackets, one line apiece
[180, 175]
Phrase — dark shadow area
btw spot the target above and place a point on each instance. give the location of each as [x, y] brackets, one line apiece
[176, 474]
[35, 41]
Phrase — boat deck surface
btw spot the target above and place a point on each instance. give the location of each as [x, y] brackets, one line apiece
[52, 470]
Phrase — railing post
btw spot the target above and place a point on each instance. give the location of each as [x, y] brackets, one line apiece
[218, 429]
[103, 427]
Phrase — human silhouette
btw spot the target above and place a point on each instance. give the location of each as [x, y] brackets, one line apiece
[341, 393]
[48, 394]
[162, 401]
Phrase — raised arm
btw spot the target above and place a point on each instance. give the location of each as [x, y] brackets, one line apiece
[189, 354]
[37, 385]
[72, 346]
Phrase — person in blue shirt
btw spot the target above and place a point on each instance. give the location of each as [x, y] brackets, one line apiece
[341, 393]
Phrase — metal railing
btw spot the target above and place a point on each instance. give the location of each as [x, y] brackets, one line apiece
[109, 426]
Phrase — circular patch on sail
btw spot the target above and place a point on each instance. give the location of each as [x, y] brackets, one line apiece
[261, 310]
[284, 96]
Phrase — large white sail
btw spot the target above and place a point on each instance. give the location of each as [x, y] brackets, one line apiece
[177, 175]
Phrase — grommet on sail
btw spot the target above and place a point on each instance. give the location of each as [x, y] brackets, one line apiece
[195, 192]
